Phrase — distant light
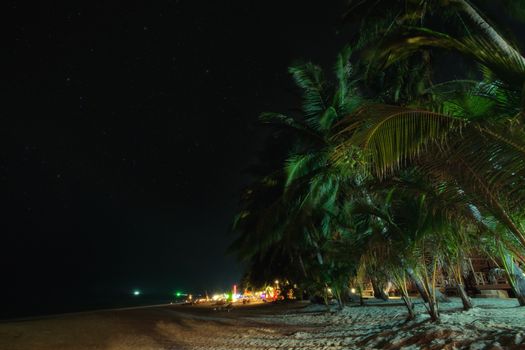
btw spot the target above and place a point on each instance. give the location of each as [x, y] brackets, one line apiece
[178, 294]
[136, 292]
[276, 281]
[352, 290]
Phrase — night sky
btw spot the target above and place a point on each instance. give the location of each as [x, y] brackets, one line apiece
[126, 133]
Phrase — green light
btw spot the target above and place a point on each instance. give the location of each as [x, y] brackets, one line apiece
[136, 292]
[178, 294]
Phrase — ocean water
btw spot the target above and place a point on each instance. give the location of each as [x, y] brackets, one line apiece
[49, 304]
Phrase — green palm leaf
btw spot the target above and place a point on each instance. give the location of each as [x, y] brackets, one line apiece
[508, 66]
[392, 136]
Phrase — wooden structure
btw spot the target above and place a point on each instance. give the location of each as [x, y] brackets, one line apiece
[485, 274]
[480, 273]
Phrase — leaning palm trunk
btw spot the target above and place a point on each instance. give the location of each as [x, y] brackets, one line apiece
[417, 283]
[467, 303]
[325, 298]
[400, 282]
[379, 292]
[455, 268]
[429, 283]
[301, 263]
[318, 253]
[408, 303]
[340, 302]
[360, 291]
[320, 260]
[490, 33]
[516, 277]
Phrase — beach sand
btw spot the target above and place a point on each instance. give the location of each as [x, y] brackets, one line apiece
[492, 324]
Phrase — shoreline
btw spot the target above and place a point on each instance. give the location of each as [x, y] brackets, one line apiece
[78, 313]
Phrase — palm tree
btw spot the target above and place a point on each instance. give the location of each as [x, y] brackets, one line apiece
[385, 239]
[410, 13]
[304, 193]
[444, 138]
[400, 190]
[469, 135]
[502, 246]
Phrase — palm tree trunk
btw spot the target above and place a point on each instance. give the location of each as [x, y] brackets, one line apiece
[433, 311]
[410, 307]
[488, 30]
[520, 284]
[379, 293]
[302, 265]
[320, 259]
[419, 286]
[337, 293]
[467, 303]
[401, 285]
[325, 298]
[428, 282]
[361, 299]
[516, 278]
[432, 305]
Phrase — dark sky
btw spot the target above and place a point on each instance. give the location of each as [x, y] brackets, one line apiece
[126, 133]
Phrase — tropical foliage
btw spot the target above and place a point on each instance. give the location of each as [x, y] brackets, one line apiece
[393, 176]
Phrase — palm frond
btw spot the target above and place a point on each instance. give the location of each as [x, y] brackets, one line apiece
[300, 165]
[509, 67]
[391, 136]
[309, 77]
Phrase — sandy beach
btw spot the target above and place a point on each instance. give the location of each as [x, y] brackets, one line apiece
[492, 324]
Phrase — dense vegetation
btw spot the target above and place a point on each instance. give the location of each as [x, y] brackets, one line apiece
[399, 166]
